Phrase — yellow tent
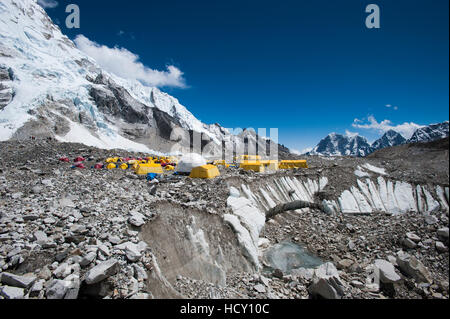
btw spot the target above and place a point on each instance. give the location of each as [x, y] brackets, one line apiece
[271, 165]
[205, 171]
[111, 166]
[293, 164]
[144, 169]
[169, 168]
[124, 166]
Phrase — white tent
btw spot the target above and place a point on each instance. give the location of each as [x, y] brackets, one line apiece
[190, 161]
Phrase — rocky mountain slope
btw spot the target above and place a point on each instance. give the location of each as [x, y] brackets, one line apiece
[69, 233]
[49, 88]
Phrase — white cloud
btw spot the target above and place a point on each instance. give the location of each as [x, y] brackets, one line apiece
[405, 129]
[297, 152]
[126, 64]
[392, 106]
[48, 4]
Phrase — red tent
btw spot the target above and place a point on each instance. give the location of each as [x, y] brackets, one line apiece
[98, 166]
[64, 159]
[80, 165]
[79, 159]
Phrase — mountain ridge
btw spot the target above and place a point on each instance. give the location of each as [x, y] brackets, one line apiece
[343, 145]
[49, 88]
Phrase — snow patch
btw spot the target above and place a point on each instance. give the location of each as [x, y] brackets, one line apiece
[377, 170]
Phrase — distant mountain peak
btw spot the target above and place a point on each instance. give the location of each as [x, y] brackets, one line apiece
[430, 133]
[340, 145]
[389, 139]
[356, 145]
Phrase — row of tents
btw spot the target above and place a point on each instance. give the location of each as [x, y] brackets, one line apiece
[193, 165]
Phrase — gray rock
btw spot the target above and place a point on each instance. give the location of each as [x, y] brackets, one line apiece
[40, 237]
[136, 219]
[357, 284]
[132, 251]
[133, 254]
[344, 263]
[37, 288]
[62, 271]
[45, 273]
[12, 292]
[104, 250]
[264, 280]
[17, 281]
[440, 247]
[408, 243]
[36, 190]
[303, 273]
[73, 283]
[57, 289]
[260, 288]
[326, 282]
[139, 273]
[89, 258]
[102, 271]
[413, 267]
[443, 233]
[387, 272]
[413, 237]
[114, 239]
[431, 219]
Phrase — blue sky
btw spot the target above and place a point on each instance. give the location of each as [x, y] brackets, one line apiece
[306, 67]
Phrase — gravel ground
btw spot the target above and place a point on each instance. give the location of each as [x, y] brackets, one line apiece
[70, 233]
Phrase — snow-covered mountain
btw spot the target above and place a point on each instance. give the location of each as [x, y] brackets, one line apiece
[389, 139]
[430, 133]
[49, 88]
[340, 145]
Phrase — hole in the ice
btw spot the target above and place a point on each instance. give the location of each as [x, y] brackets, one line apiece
[287, 256]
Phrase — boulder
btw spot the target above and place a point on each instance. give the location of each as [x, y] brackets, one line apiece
[260, 288]
[12, 292]
[136, 219]
[408, 243]
[413, 267]
[88, 258]
[413, 237]
[344, 263]
[57, 289]
[17, 281]
[303, 273]
[443, 234]
[386, 272]
[102, 271]
[326, 282]
[40, 237]
[440, 247]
